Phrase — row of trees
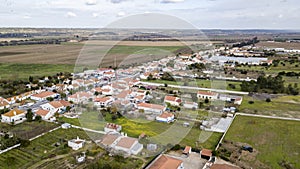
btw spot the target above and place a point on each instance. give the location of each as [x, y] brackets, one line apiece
[269, 84]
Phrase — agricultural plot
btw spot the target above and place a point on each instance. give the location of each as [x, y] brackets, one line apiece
[39, 149]
[284, 106]
[275, 142]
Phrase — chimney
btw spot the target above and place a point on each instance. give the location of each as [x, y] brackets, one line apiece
[15, 113]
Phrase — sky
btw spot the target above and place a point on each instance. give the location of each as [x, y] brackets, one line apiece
[203, 14]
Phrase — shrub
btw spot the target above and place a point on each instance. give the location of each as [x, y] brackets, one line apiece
[268, 100]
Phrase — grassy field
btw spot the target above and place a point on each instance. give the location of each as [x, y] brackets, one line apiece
[285, 106]
[22, 71]
[285, 45]
[201, 83]
[282, 66]
[275, 140]
[153, 129]
[19, 62]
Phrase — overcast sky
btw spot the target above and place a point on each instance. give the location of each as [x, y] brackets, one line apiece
[219, 14]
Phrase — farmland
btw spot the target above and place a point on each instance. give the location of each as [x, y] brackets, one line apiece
[20, 62]
[284, 106]
[276, 141]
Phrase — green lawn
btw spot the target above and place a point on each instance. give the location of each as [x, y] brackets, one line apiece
[275, 140]
[284, 106]
[13, 71]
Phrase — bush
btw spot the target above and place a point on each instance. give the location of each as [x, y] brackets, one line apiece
[251, 102]
[268, 100]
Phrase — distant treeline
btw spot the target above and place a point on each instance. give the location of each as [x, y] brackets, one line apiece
[32, 42]
[246, 43]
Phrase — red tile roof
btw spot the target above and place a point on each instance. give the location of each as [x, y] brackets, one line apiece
[153, 106]
[208, 93]
[126, 142]
[223, 166]
[42, 112]
[44, 94]
[206, 152]
[14, 112]
[165, 162]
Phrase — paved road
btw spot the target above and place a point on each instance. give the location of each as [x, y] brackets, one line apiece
[91, 130]
[196, 88]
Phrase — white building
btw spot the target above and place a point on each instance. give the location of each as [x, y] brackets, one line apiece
[151, 108]
[175, 101]
[56, 106]
[129, 145]
[45, 114]
[14, 116]
[76, 144]
[111, 127]
[43, 95]
[103, 102]
[207, 94]
[165, 117]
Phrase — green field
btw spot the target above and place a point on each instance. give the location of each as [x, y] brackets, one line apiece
[14, 71]
[284, 106]
[275, 140]
[201, 83]
[134, 127]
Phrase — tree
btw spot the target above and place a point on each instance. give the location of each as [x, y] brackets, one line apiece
[29, 115]
[38, 118]
[30, 79]
[206, 100]
[268, 100]
[50, 99]
[166, 85]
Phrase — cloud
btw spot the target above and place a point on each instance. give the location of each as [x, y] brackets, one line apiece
[91, 2]
[121, 14]
[117, 1]
[95, 15]
[71, 15]
[171, 1]
[26, 16]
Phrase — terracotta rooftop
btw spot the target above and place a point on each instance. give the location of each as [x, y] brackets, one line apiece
[165, 162]
[187, 149]
[208, 93]
[42, 112]
[109, 139]
[166, 115]
[172, 98]
[126, 142]
[206, 152]
[153, 106]
[14, 112]
[102, 99]
[44, 94]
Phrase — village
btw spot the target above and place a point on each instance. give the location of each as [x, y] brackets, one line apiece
[132, 93]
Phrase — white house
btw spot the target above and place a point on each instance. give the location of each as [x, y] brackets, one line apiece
[56, 106]
[3, 103]
[45, 114]
[129, 145]
[175, 101]
[165, 117]
[190, 105]
[80, 97]
[207, 94]
[76, 144]
[111, 127]
[14, 116]
[103, 102]
[151, 108]
[43, 95]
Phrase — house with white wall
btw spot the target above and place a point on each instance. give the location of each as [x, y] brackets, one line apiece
[13, 116]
